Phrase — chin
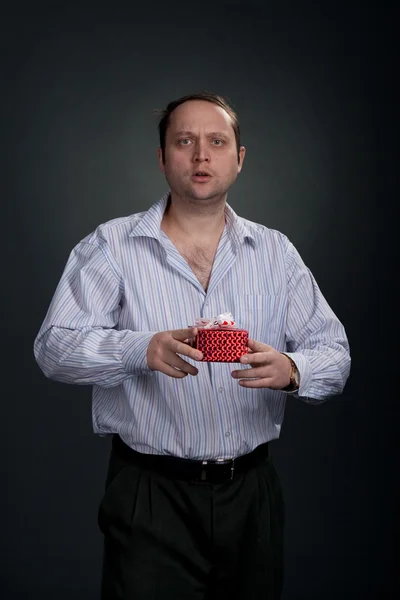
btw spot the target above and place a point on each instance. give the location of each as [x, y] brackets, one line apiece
[205, 195]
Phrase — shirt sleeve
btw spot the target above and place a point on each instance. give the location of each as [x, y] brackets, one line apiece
[78, 341]
[315, 338]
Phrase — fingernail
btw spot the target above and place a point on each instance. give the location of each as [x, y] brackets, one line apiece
[244, 359]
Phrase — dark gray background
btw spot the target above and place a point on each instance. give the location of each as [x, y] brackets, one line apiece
[313, 88]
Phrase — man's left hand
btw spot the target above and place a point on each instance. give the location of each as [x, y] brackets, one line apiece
[270, 367]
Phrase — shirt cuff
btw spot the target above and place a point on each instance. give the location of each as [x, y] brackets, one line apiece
[134, 350]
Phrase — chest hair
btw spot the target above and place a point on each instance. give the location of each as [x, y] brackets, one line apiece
[200, 260]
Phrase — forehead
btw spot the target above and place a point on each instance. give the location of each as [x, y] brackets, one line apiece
[200, 114]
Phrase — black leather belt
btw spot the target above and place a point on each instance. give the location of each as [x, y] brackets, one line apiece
[211, 471]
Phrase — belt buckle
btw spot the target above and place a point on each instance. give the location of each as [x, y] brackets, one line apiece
[203, 471]
[232, 468]
[204, 463]
[227, 460]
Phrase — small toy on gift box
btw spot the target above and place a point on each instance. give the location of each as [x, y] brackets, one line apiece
[219, 339]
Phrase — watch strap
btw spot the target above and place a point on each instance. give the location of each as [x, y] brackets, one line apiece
[293, 385]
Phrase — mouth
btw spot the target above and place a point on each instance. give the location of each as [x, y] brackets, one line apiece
[201, 176]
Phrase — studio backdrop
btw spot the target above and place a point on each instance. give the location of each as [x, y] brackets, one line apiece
[80, 92]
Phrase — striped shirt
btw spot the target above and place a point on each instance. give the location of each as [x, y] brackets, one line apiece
[126, 281]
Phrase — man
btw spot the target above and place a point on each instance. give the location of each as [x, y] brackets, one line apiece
[193, 507]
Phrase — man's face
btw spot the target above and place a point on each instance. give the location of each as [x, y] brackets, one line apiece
[201, 159]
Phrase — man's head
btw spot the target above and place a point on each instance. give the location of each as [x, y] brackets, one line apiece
[200, 134]
[205, 97]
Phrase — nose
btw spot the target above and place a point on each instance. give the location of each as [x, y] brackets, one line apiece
[200, 153]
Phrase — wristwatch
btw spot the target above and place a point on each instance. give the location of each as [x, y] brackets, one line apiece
[294, 377]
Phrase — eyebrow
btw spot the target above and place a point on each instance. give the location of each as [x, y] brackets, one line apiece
[212, 134]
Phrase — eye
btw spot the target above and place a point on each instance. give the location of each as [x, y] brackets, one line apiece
[218, 142]
[184, 142]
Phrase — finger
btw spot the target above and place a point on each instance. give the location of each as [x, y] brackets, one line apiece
[181, 348]
[178, 363]
[256, 358]
[265, 382]
[171, 372]
[258, 346]
[184, 334]
[249, 373]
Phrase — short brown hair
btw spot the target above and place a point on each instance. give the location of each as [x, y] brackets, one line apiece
[208, 97]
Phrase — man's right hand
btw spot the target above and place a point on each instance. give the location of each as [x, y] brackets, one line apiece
[163, 350]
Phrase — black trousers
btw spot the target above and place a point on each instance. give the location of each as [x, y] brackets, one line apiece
[170, 539]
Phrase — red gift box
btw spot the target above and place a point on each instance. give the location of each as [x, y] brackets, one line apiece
[219, 339]
[221, 345]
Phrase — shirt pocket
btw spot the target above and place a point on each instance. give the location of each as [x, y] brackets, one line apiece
[262, 315]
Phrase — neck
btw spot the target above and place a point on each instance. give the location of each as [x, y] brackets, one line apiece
[194, 218]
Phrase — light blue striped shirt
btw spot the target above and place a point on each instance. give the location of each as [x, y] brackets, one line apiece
[126, 281]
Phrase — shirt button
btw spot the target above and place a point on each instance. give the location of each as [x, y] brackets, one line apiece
[221, 389]
[227, 434]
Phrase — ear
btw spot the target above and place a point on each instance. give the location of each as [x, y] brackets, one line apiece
[160, 160]
[242, 153]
